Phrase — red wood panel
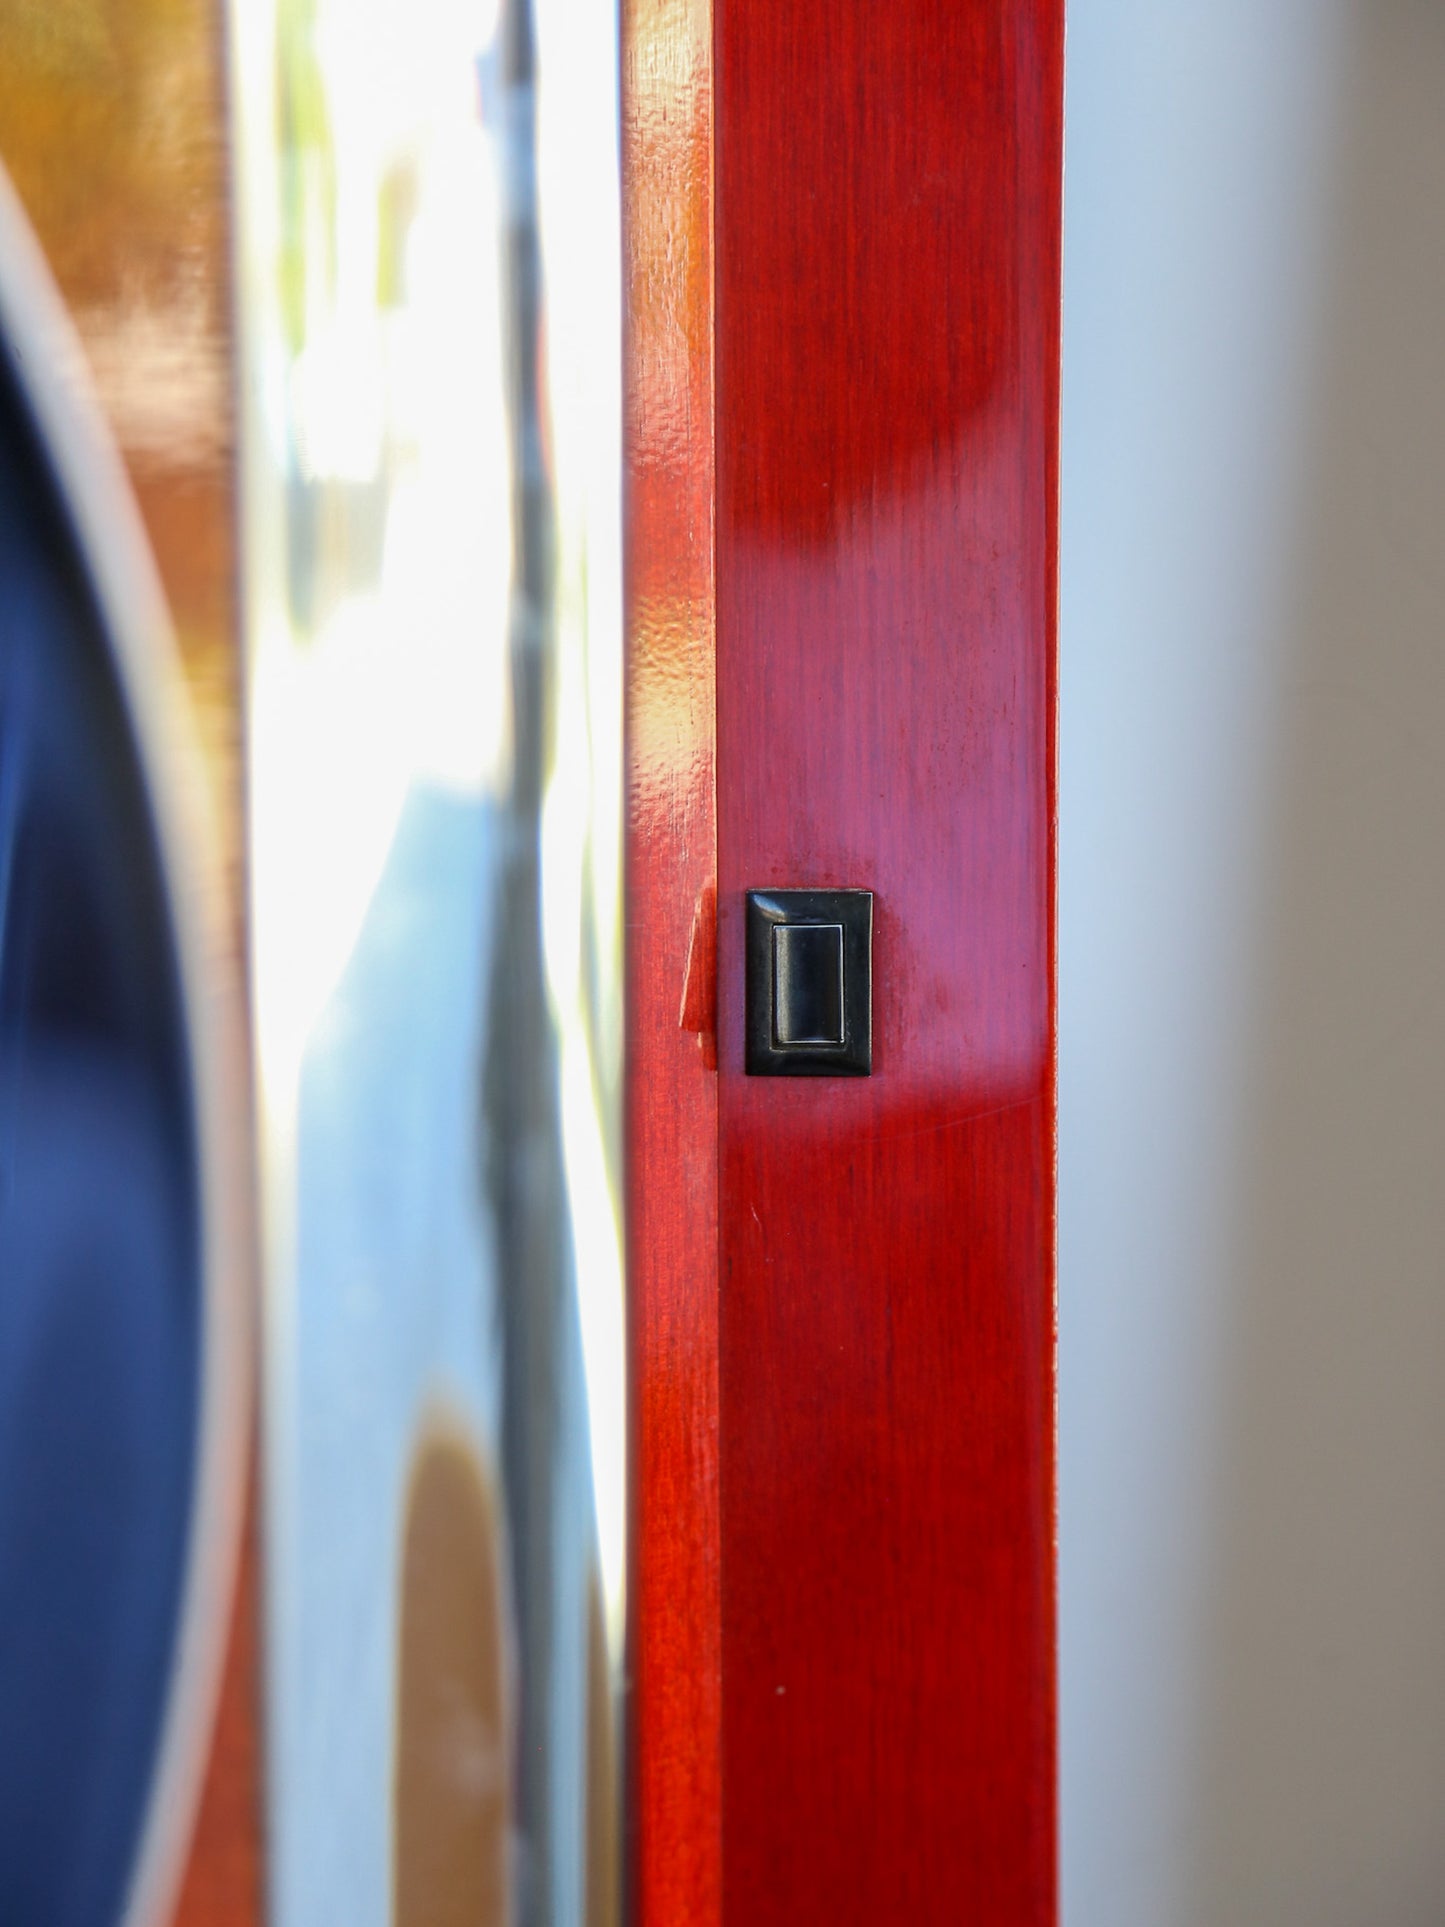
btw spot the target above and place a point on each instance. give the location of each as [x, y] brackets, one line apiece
[671, 1109]
[887, 188]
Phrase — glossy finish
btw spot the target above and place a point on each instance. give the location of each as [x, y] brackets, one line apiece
[671, 1107]
[887, 295]
[114, 132]
[115, 135]
[809, 983]
[224, 1877]
[119, 1018]
[450, 1866]
[431, 420]
[101, 1317]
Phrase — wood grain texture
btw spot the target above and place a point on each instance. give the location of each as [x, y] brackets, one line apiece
[887, 186]
[671, 1106]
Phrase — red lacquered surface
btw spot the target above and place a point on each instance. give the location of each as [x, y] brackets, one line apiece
[675, 1705]
[887, 184]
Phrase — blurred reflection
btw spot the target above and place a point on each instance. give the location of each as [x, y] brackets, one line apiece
[113, 129]
[100, 1310]
[122, 1345]
[429, 194]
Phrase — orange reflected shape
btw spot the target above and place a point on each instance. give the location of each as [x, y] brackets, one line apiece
[452, 1786]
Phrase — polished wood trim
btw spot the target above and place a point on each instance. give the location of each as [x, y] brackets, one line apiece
[674, 1708]
[888, 197]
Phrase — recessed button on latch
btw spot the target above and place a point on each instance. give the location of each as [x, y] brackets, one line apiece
[809, 989]
[807, 983]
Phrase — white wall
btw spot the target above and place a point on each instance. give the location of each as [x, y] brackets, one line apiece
[1252, 1060]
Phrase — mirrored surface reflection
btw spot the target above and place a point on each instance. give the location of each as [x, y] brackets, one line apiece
[101, 1310]
[428, 292]
[123, 1337]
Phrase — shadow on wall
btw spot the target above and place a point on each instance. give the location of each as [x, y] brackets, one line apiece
[1321, 1796]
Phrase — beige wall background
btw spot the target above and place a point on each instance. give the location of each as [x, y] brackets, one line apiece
[1252, 1107]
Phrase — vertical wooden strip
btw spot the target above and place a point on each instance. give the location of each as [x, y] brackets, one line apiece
[887, 296]
[675, 1706]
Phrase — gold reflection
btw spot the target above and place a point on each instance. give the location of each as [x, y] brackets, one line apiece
[451, 1776]
[113, 128]
[431, 544]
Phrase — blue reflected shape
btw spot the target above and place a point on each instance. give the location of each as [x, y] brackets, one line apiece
[100, 1273]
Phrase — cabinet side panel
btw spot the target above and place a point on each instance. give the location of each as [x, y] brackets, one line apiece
[675, 1701]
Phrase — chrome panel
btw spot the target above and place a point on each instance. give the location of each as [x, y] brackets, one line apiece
[430, 431]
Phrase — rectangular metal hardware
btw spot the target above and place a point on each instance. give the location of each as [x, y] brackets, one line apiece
[809, 983]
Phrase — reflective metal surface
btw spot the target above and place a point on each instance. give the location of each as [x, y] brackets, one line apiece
[113, 131]
[809, 983]
[113, 127]
[428, 290]
[123, 1337]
